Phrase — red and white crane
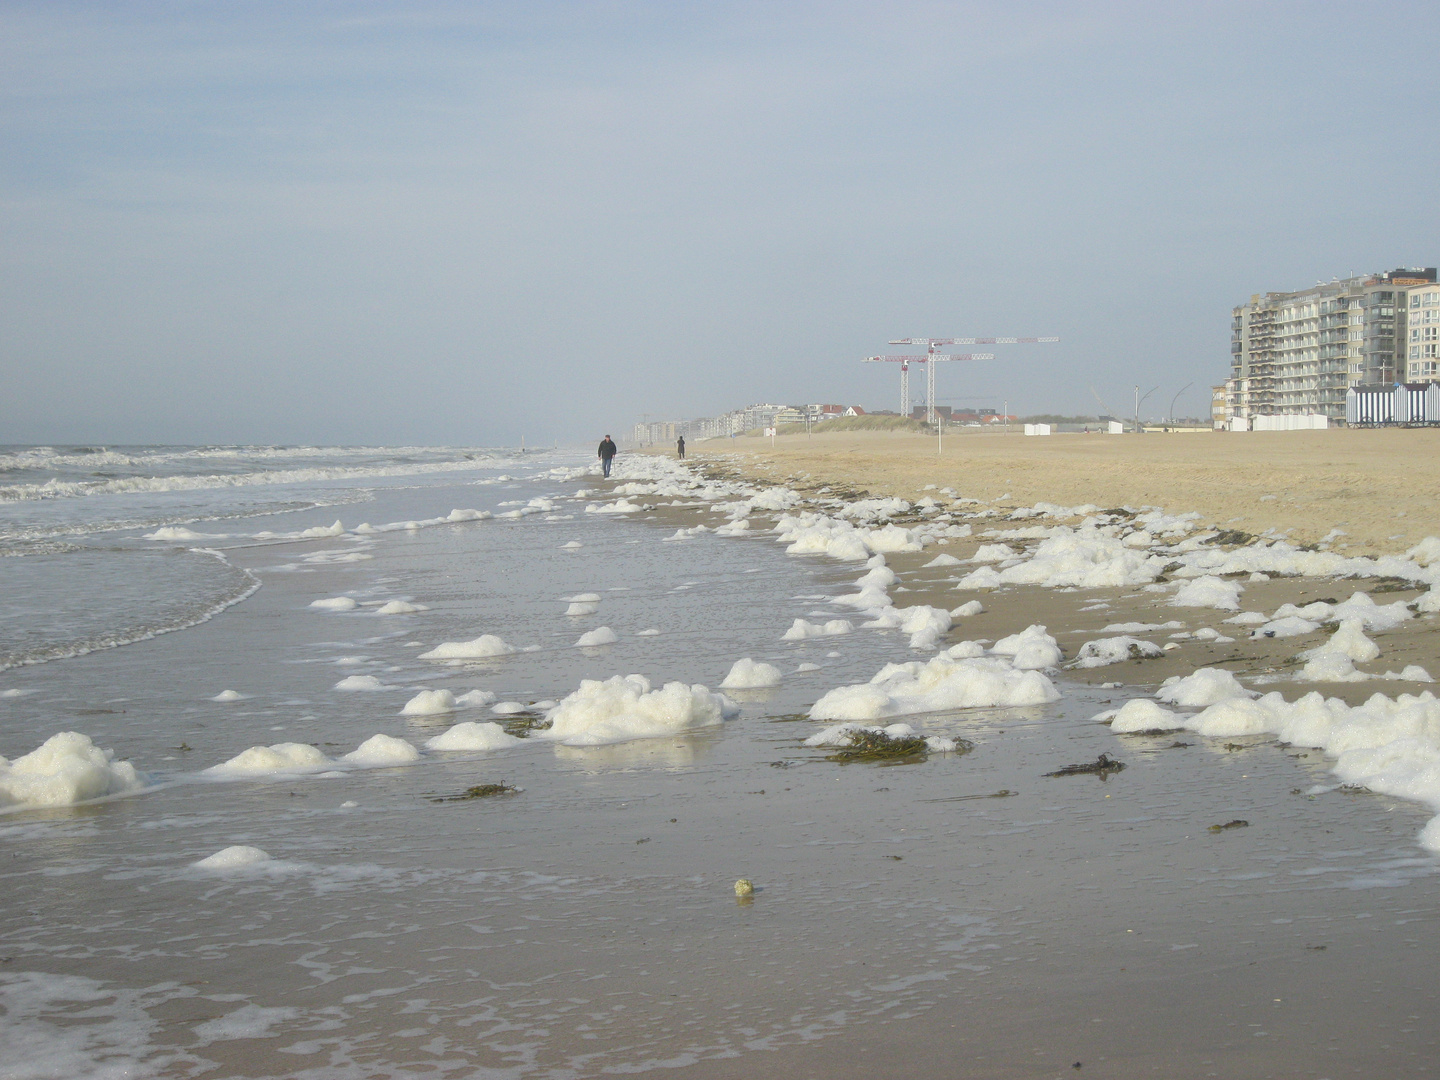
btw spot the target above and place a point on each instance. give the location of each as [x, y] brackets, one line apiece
[930, 358]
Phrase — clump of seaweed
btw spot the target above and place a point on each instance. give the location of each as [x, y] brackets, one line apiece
[878, 746]
[1238, 823]
[519, 723]
[479, 791]
[1102, 767]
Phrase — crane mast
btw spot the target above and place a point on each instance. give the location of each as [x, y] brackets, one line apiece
[930, 358]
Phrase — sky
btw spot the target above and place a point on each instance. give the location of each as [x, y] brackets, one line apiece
[472, 223]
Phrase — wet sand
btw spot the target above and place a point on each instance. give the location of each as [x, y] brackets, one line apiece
[1380, 486]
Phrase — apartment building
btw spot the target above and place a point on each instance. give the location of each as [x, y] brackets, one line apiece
[1422, 337]
[1299, 352]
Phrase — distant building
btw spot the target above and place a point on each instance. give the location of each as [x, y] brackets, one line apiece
[1423, 334]
[1299, 352]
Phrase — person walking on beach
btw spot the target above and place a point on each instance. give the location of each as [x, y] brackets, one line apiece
[607, 453]
[680, 447]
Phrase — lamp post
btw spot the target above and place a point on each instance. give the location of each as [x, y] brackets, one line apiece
[1177, 398]
[1140, 401]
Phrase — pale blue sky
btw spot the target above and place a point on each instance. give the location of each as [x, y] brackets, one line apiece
[468, 222]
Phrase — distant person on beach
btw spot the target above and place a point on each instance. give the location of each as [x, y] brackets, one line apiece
[680, 447]
[607, 453]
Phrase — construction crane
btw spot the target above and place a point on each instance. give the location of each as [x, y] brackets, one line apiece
[931, 358]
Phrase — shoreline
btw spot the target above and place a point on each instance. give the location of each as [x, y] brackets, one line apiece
[1381, 486]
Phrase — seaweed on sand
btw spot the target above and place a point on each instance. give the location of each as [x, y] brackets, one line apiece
[479, 791]
[1102, 767]
[518, 724]
[878, 746]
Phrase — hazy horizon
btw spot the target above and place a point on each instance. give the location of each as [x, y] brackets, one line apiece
[467, 224]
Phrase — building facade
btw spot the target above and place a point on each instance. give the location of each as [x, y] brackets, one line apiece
[1422, 337]
[1299, 352]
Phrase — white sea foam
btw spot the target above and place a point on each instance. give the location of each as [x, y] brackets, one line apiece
[1200, 688]
[67, 768]
[967, 609]
[228, 695]
[1104, 651]
[583, 604]
[335, 603]
[429, 703]
[180, 533]
[268, 760]
[361, 683]
[485, 645]
[473, 735]
[938, 684]
[601, 635]
[926, 625]
[400, 607]
[1030, 649]
[748, 674]
[233, 858]
[1208, 591]
[383, 750]
[800, 630]
[1141, 714]
[626, 707]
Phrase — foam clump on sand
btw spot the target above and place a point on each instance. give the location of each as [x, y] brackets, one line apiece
[1285, 626]
[926, 625]
[1200, 688]
[369, 683]
[228, 695]
[65, 769]
[429, 703]
[967, 609]
[233, 858]
[1208, 591]
[1104, 651]
[473, 735]
[400, 607]
[626, 707]
[478, 648]
[942, 683]
[335, 603]
[800, 629]
[601, 635]
[839, 735]
[1141, 714]
[278, 758]
[1030, 649]
[586, 603]
[383, 750]
[748, 674]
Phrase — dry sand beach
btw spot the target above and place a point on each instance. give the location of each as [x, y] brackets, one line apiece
[1381, 486]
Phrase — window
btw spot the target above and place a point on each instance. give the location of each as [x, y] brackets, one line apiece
[1414, 333]
[1432, 333]
[1431, 352]
[1414, 300]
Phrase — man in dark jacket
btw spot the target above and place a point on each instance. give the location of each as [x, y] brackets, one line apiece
[607, 453]
[680, 447]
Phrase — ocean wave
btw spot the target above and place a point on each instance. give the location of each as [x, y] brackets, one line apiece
[245, 586]
[56, 488]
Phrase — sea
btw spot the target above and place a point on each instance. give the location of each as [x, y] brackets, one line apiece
[537, 909]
